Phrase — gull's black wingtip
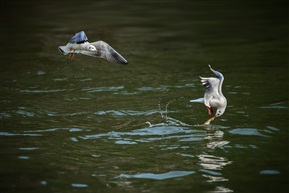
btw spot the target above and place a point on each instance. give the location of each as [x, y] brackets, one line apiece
[122, 60]
[60, 50]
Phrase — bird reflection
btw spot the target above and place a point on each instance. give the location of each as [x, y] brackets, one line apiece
[212, 165]
[215, 139]
[215, 178]
[211, 162]
[219, 189]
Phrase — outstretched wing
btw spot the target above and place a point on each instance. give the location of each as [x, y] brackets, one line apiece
[218, 74]
[79, 38]
[105, 51]
[211, 85]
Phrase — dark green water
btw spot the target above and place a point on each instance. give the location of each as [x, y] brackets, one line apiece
[82, 125]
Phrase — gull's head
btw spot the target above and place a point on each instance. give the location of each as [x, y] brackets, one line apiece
[92, 48]
[220, 111]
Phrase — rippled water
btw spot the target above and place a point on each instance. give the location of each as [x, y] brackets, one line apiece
[88, 125]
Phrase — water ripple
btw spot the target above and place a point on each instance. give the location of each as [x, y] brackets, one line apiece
[247, 131]
[19, 134]
[162, 176]
[79, 185]
[269, 172]
[42, 91]
[25, 113]
[121, 89]
[103, 89]
[163, 87]
[23, 157]
[129, 112]
[281, 105]
[28, 148]
[55, 129]
[150, 134]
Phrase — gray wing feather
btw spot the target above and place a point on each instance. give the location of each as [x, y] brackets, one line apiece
[105, 51]
[211, 85]
[218, 74]
[79, 38]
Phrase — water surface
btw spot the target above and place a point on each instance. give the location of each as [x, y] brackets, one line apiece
[88, 125]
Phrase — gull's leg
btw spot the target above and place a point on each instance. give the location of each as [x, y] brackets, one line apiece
[210, 110]
[70, 55]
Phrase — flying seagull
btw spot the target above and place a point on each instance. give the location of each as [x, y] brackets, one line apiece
[213, 97]
[79, 44]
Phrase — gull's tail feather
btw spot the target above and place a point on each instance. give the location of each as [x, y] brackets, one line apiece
[199, 100]
[65, 50]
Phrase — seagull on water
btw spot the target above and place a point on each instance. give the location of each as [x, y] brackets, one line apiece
[79, 44]
[213, 97]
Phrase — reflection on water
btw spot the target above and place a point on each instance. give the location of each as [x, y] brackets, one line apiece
[211, 163]
[215, 140]
[169, 135]
[221, 189]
